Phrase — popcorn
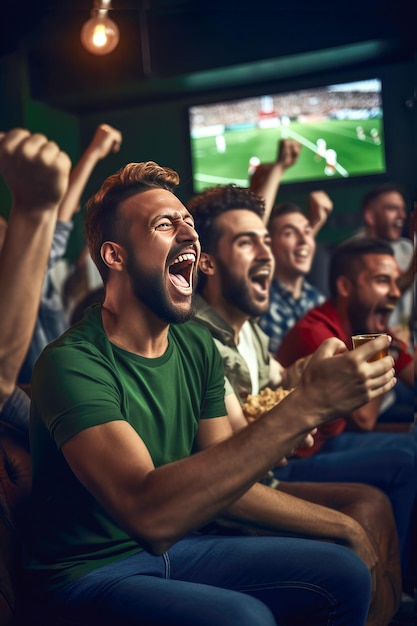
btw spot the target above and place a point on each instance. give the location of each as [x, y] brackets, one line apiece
[256, 406]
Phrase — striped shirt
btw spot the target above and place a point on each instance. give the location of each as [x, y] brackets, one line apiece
[284, 310]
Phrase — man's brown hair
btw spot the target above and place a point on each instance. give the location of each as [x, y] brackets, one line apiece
[102, 220]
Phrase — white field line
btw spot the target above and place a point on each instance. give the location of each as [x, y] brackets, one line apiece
[312, 146]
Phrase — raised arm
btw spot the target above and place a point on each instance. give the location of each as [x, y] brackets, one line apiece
[160, 505]
[319, 206]
[36, 172]
[267, 177]
[106, 139]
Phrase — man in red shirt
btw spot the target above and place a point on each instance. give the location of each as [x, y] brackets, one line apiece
[363, 285]
[364, 292]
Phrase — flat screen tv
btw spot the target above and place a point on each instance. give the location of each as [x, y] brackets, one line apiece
[340, 127]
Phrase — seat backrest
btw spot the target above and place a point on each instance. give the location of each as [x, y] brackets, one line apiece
[15, 481]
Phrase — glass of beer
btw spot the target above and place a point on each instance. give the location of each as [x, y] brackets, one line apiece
[358, 340]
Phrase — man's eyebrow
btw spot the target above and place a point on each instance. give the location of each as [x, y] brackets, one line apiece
[390, 205]
[173, 216]
[251, 233]
[293, 226]
[384, 275]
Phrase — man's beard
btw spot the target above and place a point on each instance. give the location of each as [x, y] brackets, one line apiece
[149, 289]
[236, 292]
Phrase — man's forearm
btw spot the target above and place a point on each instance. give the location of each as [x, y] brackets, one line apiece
[78, 179]
[22, 268]
[106, 139]
[271, 510]
[265, 183]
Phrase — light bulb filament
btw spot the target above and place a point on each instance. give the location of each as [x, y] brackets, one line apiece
[99, 36]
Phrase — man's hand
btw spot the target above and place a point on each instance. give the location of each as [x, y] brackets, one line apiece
[291, 375]
[288, 152]
[35, 170]
[337, 381]
[267, 177]
[106, 139]
[307, 442]
[320, 206]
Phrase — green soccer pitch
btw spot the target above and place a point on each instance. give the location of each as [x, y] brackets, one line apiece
[226, 160]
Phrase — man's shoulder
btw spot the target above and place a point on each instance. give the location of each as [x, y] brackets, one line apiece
[85, 336]
[196, 350]
[403, 246]
[204, 312]
[191, 330]
[313, 293]
[308, 333]
[206, 316]
[280, 300]
[320, 313]
[278, 288]
[193, 339]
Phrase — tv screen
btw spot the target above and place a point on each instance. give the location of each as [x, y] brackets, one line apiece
[340, 127]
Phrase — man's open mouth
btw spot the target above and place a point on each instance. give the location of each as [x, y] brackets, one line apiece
[382, 316]
[302, 254]
[181, 271]
[260, 278]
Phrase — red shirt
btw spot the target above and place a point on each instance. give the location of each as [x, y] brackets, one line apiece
[304, 338]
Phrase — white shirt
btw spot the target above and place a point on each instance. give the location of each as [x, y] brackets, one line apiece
[247, 350]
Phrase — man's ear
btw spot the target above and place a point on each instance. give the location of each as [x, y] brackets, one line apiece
[113, 255]
[207, 265]
[344, 286]
[368, 217]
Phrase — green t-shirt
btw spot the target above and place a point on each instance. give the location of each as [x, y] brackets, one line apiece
[82, 380]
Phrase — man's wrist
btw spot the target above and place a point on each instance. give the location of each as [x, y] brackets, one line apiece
[291, 375]
[36, 214]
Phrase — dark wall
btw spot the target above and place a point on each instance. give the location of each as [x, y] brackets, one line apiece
[18, 109]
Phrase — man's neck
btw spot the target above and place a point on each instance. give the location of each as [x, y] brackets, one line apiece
[294, 284]
[133, 327]
[370, 232]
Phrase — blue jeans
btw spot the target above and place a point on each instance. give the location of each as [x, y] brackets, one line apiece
[206, 580]
[384, 460]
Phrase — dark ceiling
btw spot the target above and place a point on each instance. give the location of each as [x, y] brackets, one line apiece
[165, 41]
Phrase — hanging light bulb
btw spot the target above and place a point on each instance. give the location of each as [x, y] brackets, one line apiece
[100, 35]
